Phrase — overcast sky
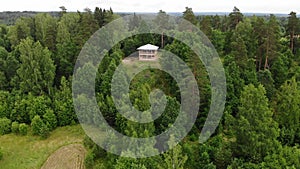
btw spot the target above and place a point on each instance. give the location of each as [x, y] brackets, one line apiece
[261, 6]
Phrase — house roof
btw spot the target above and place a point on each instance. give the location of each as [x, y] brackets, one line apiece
[148, 47]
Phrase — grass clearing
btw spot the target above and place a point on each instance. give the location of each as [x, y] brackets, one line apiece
[30, 152]
[135, 64]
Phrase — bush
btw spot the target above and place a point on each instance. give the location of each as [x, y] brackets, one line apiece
[5, 126]
[44, 131]
[36, 124]
[50, 119]
[15, 127]
[39, 127]
[23, 129]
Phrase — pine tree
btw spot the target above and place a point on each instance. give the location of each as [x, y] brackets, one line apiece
[287, 111]
[174, 157]
[235, 17]
[255, 130]
[293, 28]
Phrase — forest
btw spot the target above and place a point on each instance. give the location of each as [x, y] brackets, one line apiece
[260, 127]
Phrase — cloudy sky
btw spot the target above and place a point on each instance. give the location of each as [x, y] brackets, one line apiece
[264, 6]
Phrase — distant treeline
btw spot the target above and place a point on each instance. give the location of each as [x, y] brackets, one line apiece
[10, 17]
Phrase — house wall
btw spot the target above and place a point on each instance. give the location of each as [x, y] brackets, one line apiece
[147, 54]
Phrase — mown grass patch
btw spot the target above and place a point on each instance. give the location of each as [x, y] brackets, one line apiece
[30, 152]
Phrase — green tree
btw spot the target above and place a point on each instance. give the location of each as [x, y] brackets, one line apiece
[8, 67]
[168, 117]
[266, 79]
[4, 41]
[218, 40]
[21, 30]
[268, 40]
[287, 112]
[174, 158]
[162, 20]
[63, 10]
[37, 70]
[239, 51]
[63, 104]
[234, 83]
[3, 67]
[66, 50]
[206, 26]
[189, 15]
[45, 30]
[139, 130]
[86, 26]
[272, 45]
[293, 28]
[245, 31]
[255, 130]
[280, 70]
[99, 16]
[235, 17]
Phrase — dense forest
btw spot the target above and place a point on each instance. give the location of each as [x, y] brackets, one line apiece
[260, 127]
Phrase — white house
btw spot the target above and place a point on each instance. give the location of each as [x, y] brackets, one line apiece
[148, 52]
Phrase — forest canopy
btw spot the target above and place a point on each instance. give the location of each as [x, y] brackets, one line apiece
[260, 127]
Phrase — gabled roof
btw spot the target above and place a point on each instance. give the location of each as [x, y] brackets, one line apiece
[148, 47]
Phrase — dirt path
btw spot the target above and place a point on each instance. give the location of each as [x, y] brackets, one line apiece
[67, 157]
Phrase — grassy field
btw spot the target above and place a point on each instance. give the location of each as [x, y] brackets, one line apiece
[133, 65]
[30, 152]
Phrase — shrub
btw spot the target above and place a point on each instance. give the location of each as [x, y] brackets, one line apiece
[23, 129]
[15, 127]
[44, 131]
[39, 127]
[5, 126]
[36, 124]
[50, 119]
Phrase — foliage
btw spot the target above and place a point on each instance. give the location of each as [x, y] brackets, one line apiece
[174, 158]
[23, 129]
[50, 119]
[15, 127]
[39, 127]
[255, 130]
[37, 70]
[31, 147]
[5, 126]
[260, 54]
[89, 160]
[287, 111]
